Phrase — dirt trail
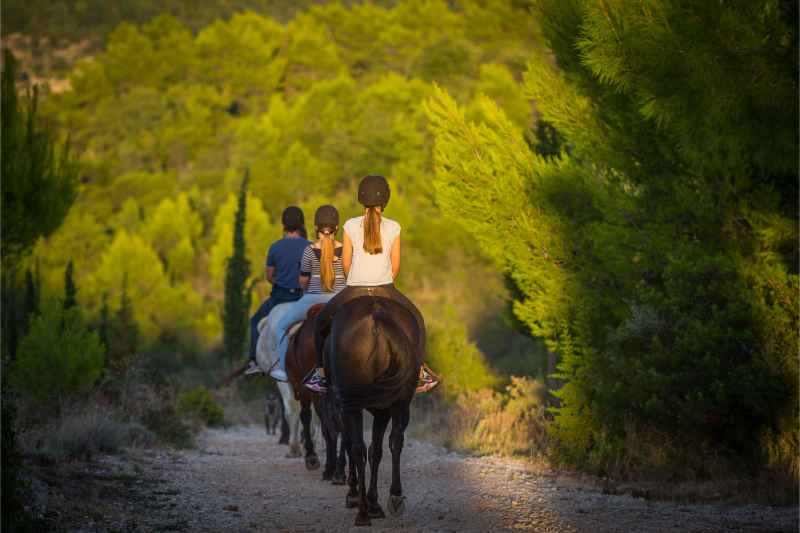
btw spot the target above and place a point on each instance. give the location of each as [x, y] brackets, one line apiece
[240, 480]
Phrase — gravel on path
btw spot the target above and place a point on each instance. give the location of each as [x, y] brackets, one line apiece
[238, 479]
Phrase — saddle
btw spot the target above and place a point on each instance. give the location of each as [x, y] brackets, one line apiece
[311, 313]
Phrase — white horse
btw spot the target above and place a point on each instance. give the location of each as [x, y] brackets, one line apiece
[266, 357]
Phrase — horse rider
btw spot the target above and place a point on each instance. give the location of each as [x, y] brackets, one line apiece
[283, 272]
[321, 277]
[371, 261]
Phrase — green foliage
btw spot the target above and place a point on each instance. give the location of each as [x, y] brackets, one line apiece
[655, 248]
[459, 360]
[199, 403]
[237, 295]
[39, 181]
[60, 357]
[169, 111]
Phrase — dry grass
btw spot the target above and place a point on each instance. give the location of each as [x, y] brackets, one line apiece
[487, 422]
[82, 434]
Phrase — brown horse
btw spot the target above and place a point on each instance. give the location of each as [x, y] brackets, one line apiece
[373, 362]
[300, 360]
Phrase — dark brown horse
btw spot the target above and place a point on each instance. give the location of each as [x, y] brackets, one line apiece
[373, 364]
[300, 360]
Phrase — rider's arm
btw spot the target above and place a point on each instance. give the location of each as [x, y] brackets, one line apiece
[306, 264]
[395, 256]
[269, 267]
[347, 253]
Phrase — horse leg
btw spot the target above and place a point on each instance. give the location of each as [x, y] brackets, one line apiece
[284, 429]
[292, 411]
[354, 426]
[400, 418]
[312, 462]
[352, 476]
[375, 454]
[338, 475]
[330, 449]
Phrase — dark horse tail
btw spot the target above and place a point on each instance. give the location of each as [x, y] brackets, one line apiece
[372, 353]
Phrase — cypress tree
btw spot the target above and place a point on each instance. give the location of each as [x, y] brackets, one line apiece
[70, 291]
[38, 187]
[105, 325]
[124, 335]
[237, 298]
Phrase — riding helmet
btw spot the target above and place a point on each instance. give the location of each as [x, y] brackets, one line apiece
[293, 218]
[373, 190]
[326, 217]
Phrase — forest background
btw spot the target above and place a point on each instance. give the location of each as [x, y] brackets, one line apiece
[605, 184]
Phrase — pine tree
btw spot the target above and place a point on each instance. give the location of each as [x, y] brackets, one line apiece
[658, 254]
[70, 291]
[237, 298]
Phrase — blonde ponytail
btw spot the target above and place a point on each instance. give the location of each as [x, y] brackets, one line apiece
[326, 274]
[372, 231]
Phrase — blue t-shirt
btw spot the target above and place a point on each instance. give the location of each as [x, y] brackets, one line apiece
[285, 256]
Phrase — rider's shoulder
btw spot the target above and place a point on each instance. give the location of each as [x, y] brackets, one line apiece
[391, 224]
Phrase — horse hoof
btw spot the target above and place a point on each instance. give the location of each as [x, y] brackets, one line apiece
[363, 520]
[351, 501]
[312, 463]
[396, 505]
[293, 454]
[338, 479]
[375, 511]
[327, 476]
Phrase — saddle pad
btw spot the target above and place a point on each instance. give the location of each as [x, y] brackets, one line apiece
[314, 310]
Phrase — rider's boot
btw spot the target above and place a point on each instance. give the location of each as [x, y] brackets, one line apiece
[316, 381]
[427, 379]
[253, 368]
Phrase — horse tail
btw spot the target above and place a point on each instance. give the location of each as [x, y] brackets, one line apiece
[400, 377]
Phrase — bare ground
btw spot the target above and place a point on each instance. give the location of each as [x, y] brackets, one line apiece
[239, 480]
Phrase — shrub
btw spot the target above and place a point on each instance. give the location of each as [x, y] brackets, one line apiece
[59, 357]
[87, 433]
[485, 421]
[200, 404]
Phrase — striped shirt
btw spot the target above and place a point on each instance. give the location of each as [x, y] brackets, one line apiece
[310, 267]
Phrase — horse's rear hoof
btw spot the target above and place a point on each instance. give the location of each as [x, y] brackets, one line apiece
[312, 462]
[375, 511]
[351, 501]
[338, 479]
[396, 505]
[294, 452]
[363, 520]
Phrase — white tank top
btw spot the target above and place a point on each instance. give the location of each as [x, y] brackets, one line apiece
[367, 270]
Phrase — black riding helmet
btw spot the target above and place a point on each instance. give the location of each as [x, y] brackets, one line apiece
[326, 217]
[293, 218]
[373, 190]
